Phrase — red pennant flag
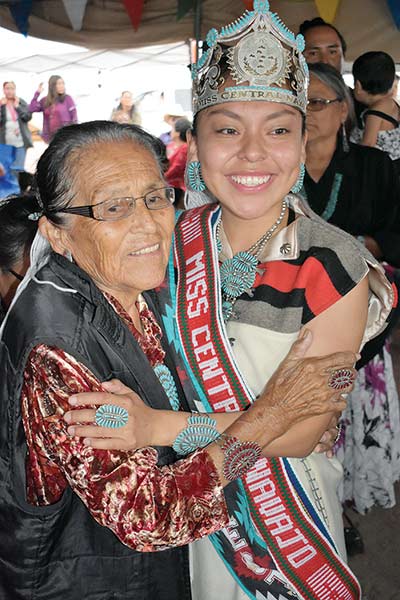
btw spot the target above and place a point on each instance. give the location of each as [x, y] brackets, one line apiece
[134, 8]
[248, 4]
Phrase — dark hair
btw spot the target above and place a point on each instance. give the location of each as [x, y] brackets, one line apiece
[181, 126]
[57, 167]
[319, 22]
[52, 95]
[17, 230]
[331, 77]
[375, 71]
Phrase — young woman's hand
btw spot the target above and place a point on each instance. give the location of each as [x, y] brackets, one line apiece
[137, 433]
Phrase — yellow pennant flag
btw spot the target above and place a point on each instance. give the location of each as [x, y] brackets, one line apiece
[327, 9]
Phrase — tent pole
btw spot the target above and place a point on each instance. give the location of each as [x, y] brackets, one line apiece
[197, 26]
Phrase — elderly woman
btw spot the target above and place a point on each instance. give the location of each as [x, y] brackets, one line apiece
[357, 189]
[253, 272]
[80, 319]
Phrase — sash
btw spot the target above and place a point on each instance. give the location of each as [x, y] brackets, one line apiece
[275, 542]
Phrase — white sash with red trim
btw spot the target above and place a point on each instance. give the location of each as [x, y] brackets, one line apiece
[275, 542]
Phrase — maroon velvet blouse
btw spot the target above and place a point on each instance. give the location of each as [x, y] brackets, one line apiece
[147, 507]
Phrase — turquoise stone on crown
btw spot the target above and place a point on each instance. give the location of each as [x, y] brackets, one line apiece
[261, 6]
[300, 41]
[211, 37]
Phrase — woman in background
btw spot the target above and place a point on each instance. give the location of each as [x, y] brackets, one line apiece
[175, 175]
[126, 111]
[14, 118]
[58, 108]
[356, 188]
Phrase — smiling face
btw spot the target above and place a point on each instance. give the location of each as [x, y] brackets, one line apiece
[250, 154]
[122, 257]
[324, 125]
[323, 45]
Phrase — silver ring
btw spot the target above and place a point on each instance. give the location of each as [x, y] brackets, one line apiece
[341, 379]
[339, 433]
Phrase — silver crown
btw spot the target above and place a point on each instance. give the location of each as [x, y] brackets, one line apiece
[254, 58]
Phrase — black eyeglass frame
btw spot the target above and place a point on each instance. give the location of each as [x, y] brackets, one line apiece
[15, 274]
[323, 102]
[87, 210]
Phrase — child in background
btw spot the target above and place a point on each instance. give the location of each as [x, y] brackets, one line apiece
[374, 75]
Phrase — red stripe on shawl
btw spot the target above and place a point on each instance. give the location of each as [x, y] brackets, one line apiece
[396, 296]
[311, 276]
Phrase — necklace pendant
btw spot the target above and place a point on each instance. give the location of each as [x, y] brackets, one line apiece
[238, 274]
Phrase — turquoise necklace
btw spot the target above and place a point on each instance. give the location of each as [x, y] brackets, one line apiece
[333, 197]
[239, 272]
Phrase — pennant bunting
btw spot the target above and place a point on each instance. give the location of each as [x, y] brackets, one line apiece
[248, 4]
[184, 6]
[20, 12]
[75, 10]
[327, 9]
[394, 6]
[134, 8]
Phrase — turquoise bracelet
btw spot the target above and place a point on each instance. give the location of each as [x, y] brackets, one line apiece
[200, 431]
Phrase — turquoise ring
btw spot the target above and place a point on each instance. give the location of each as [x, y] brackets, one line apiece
[110, 415]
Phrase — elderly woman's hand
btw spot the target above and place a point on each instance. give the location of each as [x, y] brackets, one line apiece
[138, 431]
[298, 390]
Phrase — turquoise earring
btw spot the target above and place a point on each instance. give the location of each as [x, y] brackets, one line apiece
[299, 183]
[196, 182]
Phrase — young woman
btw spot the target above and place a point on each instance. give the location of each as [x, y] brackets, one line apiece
[58, 108]
[14, 118]
[252, 272]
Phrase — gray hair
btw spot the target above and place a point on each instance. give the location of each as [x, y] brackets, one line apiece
[56, 169]
[331, 77]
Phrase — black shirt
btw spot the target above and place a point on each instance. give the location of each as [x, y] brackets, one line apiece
[360, 193]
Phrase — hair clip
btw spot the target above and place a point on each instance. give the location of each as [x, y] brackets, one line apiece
[35, 216]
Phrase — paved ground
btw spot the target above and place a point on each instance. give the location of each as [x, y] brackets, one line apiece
[378, 569]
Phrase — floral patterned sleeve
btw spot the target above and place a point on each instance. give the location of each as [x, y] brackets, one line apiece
[148, 507]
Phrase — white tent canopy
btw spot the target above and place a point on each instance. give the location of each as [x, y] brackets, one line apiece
[158, 76]
[365, 24]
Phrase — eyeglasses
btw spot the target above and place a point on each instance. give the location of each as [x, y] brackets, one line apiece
[119, 208]
[317, 104]
[15, 274]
